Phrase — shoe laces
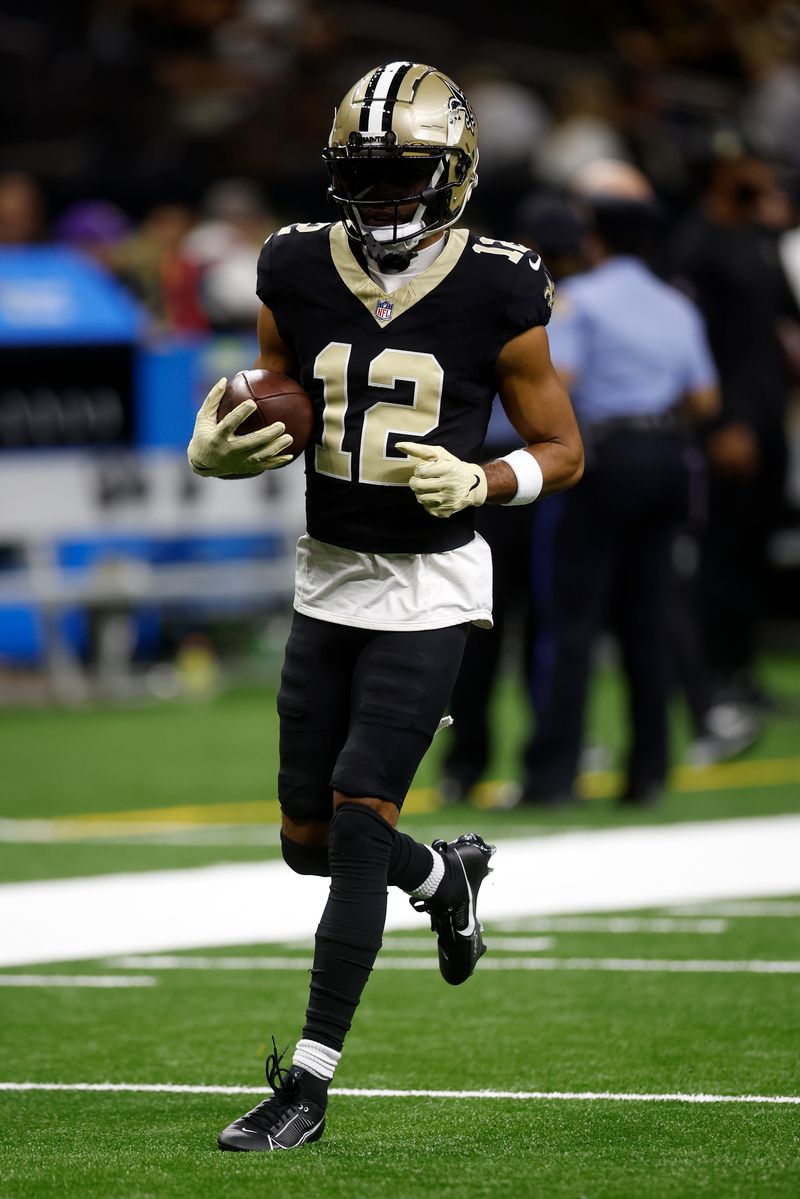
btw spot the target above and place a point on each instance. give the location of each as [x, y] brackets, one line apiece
[285, 1086]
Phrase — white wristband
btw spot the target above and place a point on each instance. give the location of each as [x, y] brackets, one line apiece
[529, 477]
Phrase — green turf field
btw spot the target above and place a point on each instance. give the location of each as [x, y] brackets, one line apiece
[516, 1031]
[651, 1009]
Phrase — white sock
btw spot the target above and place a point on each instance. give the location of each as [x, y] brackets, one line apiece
[428, 888]
[319, 1060]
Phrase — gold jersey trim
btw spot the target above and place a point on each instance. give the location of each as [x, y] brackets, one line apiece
[365, 289]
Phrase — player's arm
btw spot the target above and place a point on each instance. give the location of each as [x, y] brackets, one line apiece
[539, 408]
[537, 404]
[273, 352]
[215, 448]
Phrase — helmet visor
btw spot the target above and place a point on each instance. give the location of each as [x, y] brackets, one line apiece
[384, 191]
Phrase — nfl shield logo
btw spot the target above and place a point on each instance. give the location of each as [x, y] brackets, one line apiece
[383, 310]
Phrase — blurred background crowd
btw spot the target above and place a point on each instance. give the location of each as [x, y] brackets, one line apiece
[158, 142]
[168, 137]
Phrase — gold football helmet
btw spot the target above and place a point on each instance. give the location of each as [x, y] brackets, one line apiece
[402, 157]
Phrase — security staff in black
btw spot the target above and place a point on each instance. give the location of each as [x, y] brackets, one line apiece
[636, 355]
[401, 329]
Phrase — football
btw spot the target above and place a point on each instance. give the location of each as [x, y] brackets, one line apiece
[278, 398]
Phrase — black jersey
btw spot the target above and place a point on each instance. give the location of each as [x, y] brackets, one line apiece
[417, 365]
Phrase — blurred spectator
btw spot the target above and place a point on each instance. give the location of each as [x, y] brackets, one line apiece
[586, 129]
[511, 119]
[96, 229]
[771, 108]
[550, 225]
[21, 210]
[635, 356]
[726, 255]
[553, 225]
[155, 265]
[224, 245]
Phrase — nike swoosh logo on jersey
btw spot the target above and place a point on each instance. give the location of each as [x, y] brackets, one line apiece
[535, 265]
[470, 929]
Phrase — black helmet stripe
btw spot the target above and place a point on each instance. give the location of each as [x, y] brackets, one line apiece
[380, 96]
[391, 95]
[368, 95]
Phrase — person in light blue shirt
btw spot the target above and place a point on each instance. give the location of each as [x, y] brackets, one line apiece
[635, 358]
[632, 345]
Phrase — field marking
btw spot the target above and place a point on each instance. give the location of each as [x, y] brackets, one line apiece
[101, 981]
[757, 907]
[762, 772]
[80, 831]
[614, 965]
[425, 942]
[612, 924]
[742, 775]
[392, 1093]
[263, 903]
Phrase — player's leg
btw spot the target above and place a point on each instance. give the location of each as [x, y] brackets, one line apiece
[313, 704]
[399, 690]
[401, 684]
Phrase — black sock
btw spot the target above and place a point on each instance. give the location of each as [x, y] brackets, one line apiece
[410, 863]
[350, 931]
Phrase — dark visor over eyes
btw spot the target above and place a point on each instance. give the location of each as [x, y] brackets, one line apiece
[403, 176]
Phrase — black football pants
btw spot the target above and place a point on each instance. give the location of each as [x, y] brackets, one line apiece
[508, 533]
[614, 538]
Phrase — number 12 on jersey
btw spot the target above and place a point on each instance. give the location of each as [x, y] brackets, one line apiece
[383, 418]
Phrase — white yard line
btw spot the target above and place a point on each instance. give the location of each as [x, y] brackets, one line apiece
[611, 924]
[384, 962]
[101, 981]
[386, 1093]
[252, 903]
[425, 943]
[758, 907]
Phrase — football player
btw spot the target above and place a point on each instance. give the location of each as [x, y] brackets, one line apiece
[401, 327]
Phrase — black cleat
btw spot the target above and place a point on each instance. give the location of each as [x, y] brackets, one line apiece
[456, 924]
[292, 1117]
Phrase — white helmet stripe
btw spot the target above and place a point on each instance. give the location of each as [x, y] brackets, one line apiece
[382, 86]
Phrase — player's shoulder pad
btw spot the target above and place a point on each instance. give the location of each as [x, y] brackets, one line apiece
[517, 275]
[292, 243]
[509, 264]
[287, 253]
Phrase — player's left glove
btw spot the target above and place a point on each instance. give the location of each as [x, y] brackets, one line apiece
[217, 450]
[442, 483]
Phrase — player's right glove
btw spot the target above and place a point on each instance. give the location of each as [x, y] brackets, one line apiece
[216, 450]
[442, 483]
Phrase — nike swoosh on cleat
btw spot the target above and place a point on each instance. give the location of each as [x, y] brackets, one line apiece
[470, 929]
[535, 265]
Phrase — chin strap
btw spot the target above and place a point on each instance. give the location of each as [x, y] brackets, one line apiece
[389, 259]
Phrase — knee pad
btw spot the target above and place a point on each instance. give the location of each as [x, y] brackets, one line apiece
[360, 834]
[305, 859]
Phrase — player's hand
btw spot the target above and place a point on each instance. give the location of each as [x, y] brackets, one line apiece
[216, 450]
[442, 483]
